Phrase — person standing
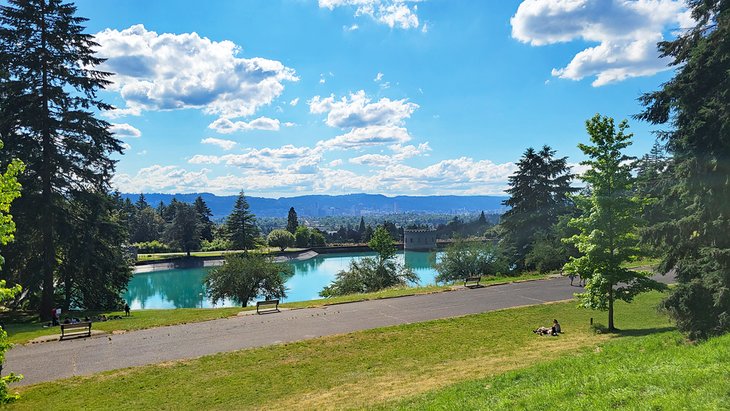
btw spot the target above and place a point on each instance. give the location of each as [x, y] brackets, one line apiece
[126, 309]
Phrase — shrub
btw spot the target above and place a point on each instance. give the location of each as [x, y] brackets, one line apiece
[153, 246]
[281, 239]
[466, 259]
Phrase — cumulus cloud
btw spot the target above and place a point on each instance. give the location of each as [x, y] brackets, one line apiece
[294, 102]
[400, 153]
[626, 33]
[175, 71]
[357, 110]
[125, 130]
[226, 126]
[454, 176]
[224, 144]
[393, 13]
[367, 136]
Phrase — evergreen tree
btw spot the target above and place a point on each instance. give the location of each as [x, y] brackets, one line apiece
[146, 226]
[184, 230]
[141, 203]
[609, 221]
[694, 233]
[291, 221]
[204, 215]
[539, 194]
[241, 225]
[96, 267]
[50, 124]
[361, 227]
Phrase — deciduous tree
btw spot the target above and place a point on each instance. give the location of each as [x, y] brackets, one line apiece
[608, 223]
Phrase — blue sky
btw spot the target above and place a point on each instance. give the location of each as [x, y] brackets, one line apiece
[290, 97]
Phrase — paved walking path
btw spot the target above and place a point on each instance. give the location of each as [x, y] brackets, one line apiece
[55, 360]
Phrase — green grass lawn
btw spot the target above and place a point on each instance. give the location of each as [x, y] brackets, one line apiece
[358, 370]
[657, 371]
[150, 257]
[22, 329]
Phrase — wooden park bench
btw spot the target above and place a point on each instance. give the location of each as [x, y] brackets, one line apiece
[76, 330]
[472, 282]
[267, 306]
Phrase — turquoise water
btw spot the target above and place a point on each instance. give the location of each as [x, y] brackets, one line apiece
[183, 288]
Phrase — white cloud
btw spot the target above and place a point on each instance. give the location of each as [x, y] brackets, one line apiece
[358, 111]
[125, 130]
[175, 71]
[626, 33]
[289, 124]
[378, 77]
[350, 28]
[367, 136]
[393, 13]
[400, 151]
[294, 102]
[224, 144]
[226, 126]
[455, 176]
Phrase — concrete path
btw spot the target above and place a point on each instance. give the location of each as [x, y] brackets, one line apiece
[55, 360]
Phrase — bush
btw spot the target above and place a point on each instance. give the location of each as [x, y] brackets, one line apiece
[152, 247]
[218, 244]
[369, 275]
[243, 277]
[281, 239]
[316, 239]
[466, 259]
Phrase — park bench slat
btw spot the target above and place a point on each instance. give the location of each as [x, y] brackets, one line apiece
[472, 282]
[76, 330]
[267, 306]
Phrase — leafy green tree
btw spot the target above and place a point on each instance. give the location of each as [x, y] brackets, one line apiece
[50, 124]
[204, 215]
[292, 223]
[695, 203]
[316, 238]
[243, 277]
[184, 230]
[608, 224]
[539, 194]
[382, 243]
[241, 225]
[302, 236]
[464, 259]
[280, 238]
[9, 191]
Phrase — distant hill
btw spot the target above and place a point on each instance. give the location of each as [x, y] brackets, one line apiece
[350, 204]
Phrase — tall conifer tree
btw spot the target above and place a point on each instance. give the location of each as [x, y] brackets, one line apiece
[292, 222]
[694, 233]
[241, 225]
[539, 194]
[50, 124]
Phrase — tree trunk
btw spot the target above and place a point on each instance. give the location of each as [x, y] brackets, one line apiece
[48, 250]
[611, 326]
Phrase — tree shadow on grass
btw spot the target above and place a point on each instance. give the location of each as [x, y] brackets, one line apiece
[641, 332]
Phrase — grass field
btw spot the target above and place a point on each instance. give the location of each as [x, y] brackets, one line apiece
[362, 369]
[22, 329]
[657, 371]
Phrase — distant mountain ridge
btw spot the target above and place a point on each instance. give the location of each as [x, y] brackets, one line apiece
[349, 204]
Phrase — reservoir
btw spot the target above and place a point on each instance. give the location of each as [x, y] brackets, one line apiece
[184, 287]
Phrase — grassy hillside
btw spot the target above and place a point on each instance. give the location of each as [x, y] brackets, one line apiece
[656, 371]
[362, 369]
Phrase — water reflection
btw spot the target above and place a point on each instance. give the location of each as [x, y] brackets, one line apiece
[184, 288]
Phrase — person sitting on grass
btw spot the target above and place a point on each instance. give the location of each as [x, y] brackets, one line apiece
[555, 330]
